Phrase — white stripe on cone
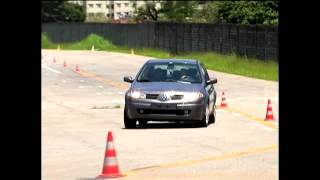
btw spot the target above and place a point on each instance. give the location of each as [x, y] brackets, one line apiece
[110, 161]
[110, 145]
[269, 113]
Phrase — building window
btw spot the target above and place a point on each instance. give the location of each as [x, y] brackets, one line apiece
[112, 15]
[112, 6]
[91, 5]
[99, 5]
[126, 4]
[134, 5]
[126, 13]
[108, 15]
[107, 6]
[118, 5]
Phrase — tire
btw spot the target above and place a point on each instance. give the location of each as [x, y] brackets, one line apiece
[128, 123]
[205, 121]
[212, 118]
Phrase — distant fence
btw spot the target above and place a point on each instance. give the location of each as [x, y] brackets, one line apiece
[259, 41]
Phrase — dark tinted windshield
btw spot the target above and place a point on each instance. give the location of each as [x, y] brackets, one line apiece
[170, 72]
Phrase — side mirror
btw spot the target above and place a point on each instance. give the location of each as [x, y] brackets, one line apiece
[212, 81]
[128, 79]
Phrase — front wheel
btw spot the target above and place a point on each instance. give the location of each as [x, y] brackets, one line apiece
[205, 121]
[128, 123]
[212, 117]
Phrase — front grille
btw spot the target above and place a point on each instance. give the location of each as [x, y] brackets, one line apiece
[152, 96]
[176, 97]
[160, 111]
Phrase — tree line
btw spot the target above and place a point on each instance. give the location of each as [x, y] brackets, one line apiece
[235, 12]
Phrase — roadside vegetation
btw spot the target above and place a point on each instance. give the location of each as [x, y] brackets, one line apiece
[232, 63]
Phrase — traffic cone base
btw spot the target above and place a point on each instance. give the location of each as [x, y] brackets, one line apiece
[77, 68]
[223, 105]
[110, 175]
[64, 64]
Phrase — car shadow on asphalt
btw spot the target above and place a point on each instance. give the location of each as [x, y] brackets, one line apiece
[168, 125]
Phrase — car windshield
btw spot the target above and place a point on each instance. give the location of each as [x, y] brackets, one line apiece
[170, 72]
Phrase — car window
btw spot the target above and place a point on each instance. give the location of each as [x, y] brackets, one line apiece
[205, 72]
[170, 72]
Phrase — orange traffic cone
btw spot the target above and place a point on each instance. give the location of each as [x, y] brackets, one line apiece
[223, 101]
[269, 115]
[77, 68]
[54, 59]
[64, 64]
[110, 167]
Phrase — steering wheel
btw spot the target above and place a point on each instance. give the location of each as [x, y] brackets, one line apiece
[185, 77]
[188, 78]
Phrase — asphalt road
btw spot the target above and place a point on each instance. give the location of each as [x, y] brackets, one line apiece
[79, 108]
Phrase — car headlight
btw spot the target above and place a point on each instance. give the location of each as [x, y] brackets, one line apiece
[193, 96]
[137, 95]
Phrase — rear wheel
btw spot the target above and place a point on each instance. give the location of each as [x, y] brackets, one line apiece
[128, 123]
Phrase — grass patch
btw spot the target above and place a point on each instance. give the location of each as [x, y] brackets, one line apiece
[250, 67]
[233, 64]
[46, 43]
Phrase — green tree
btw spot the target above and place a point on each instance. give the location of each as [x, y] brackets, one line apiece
[178, 11]
[148, 12]
[60, 11]
[247, 12]
[207, 14]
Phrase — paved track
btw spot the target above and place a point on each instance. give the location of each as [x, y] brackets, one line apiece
[78, 109]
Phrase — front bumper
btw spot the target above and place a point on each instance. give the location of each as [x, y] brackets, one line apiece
[165, 111]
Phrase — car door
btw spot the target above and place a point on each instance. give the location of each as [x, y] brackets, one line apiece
[209, 87]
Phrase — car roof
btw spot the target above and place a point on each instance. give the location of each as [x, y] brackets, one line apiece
[191, 61]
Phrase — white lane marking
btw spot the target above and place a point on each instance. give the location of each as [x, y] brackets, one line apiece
[49, 68]
[81, 87]
[81, 80]
[100, 86]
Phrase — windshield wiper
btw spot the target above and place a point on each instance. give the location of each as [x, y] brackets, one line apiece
[171, 80]
[188, 82]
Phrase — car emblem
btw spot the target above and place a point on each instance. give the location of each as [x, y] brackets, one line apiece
[163, 97]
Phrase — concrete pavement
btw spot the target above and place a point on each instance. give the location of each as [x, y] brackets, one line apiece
[237, 146]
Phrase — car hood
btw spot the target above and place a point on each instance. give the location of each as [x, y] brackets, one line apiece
[166, 86]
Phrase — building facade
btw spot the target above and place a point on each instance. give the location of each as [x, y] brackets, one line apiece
[113, 10]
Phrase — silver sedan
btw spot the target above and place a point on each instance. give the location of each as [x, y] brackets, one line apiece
[170, 90]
